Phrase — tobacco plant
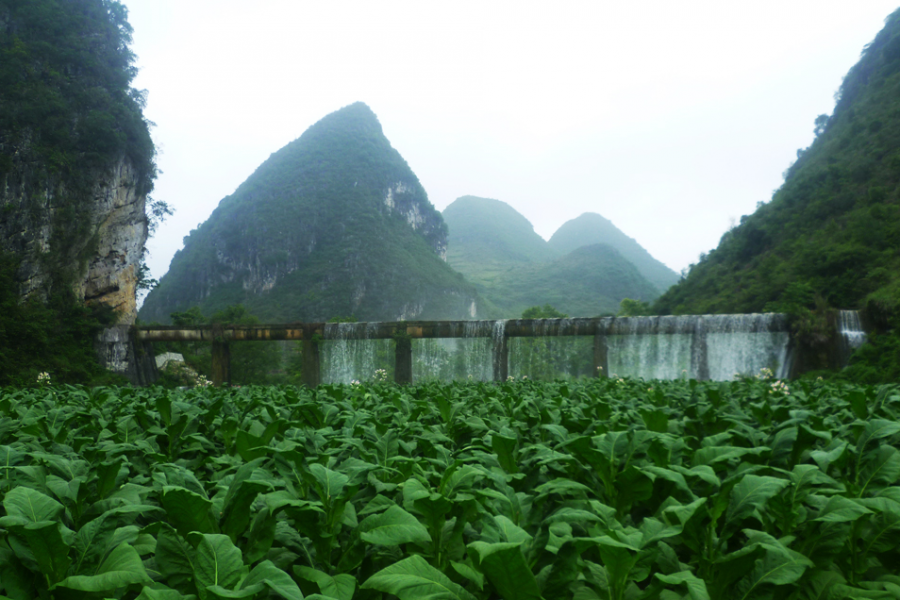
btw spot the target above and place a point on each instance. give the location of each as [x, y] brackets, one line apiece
[596, 489]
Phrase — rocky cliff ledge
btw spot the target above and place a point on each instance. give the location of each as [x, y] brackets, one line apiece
[36, 223]
[95, 241]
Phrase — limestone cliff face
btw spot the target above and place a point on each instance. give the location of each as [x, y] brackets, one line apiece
[98, 244]
[407, 200]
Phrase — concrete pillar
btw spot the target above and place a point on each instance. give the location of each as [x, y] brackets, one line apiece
[403, 358]
[310, 360]
[221, 363]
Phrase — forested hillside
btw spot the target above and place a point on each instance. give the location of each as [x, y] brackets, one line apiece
[588, 282]
[488, 237]
[514, 268]
[76, 165]
[832, 231]
[591, 228]
[332, 225]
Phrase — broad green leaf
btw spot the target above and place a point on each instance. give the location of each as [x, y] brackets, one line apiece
[717, 454]
[696, 587]
[50, 551]
[122, 567]
[236, 510]
[217, 592]
[702, 472]
[413, 490]
[174, 556]
[571, 515]
[339, 587]
[244, 472]
[505, 449]
[655, 420]
[218, 562]
[876, 429]
[842, 510]
[619, 559]
[92, 539]
[31, 505]
[563, 487]
[266, 573]
[507, 531]
[505, 567]
[331, 483]
[150, 593]
[779, 566]
[188, 511]
[751, 494]
[881, 465]
[825, 458]
[458, 479]
[469, 573]
[393, 527]
[669, 475]
[414, 579]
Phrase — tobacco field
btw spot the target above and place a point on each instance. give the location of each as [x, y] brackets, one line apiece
[591, 489]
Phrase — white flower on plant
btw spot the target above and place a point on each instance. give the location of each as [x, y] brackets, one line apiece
[43, 378]
[202, 382]
[765, 373]
[780, 386]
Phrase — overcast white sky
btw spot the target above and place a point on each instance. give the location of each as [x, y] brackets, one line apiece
[672, 119]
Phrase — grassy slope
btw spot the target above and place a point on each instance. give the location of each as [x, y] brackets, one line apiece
[312, 220]
[834, 226]
[591, 228]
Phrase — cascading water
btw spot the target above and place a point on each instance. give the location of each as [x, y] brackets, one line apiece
[349, 356]
[468, 357]
[547, 355]
[850, 334]
[718, 347]
[477, 352]
[435, 359]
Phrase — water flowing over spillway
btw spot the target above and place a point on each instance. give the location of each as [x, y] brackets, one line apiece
[718, 347]
[850, 334]
[351, 353]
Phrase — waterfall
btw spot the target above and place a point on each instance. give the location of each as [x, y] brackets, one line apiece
[349, 354]
[546, 354]
[436, 359]
[476, 352]
[718, 347]
[850, 334]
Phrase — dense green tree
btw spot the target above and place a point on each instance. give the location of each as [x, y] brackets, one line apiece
[543, 312]
[53, 336]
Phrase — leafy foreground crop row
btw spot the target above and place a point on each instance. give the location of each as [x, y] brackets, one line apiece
[597, 489]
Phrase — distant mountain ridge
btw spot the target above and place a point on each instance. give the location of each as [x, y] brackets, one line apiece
[333, 224]
[591, 228]
[513, 268]
[587, 282]
[487, 237]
